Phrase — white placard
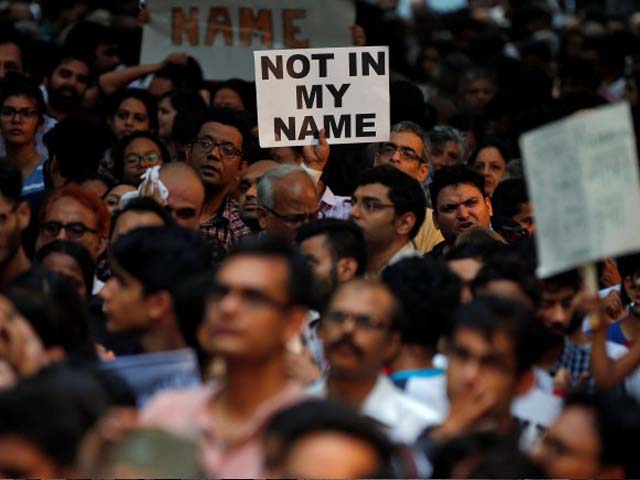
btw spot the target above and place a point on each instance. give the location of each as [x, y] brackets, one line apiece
[222, 34]
[343, 90]
[583, 180]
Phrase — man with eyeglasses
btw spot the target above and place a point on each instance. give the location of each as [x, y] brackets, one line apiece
[219, 154]
[360, 331]
[257, 305]
[408, 150]
[389, 206]
[287, 198]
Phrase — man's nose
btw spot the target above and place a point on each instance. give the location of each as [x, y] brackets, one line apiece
[252, 192]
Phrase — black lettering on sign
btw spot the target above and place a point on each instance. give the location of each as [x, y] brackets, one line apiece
[289, 130]
[367, 63]
[322, 59]
[303, 62]
[362, 123]
[338, 93]
[308, 128]
[267, 65]
[337, 130]
[306, 98]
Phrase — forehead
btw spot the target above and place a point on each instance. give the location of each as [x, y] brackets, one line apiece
[132, 219]
[498, 342]
[560, 294]
[295, 190]
[20, 101]
[373, 190]
[76, 66]
[458, 193]
[68, 209]
[219, 131]
[10, 51]
[227, 94]
[490, 154]
[407, 139]
[133, 105]
[363, 299]
[63, 261]
[258, 169]
[316, 244]
[255, 271]
[142, 145]
[121, 190]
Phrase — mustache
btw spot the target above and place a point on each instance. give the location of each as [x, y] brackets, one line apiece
[346, 341]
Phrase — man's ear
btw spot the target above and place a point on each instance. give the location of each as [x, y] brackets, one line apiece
[405, 223]
[423, 172]
[489, 206]
[23, 211]
[392, 348]
[346, 269]
[159, 304]
[262, 217]
[525, 383]
[295, 320]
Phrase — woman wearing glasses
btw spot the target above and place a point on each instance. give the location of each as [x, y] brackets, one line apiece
[137, 152]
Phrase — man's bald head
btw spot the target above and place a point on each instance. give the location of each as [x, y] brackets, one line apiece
[246, 194]
[186, 193]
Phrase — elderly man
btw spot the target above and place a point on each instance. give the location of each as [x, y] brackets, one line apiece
[246, 194]
[186, 193]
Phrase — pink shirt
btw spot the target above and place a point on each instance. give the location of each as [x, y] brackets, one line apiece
[187, 413]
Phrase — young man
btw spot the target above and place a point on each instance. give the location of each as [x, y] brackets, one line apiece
[246, 194]
[257, 306]
[67, 84]
[511, 200]
[361, 333]
[389, 206]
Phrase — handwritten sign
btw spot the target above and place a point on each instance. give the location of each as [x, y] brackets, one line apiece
[583, 179]
[222, 34]
[343, 90]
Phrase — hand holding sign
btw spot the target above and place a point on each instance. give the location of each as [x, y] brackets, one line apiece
[317, 156]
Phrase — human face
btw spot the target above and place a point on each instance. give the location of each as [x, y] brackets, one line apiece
[459, 208]
[248, 317]
[10, 59]
[217, 172]
[125, 306]
[557, 309]
[449, 155]
[525, 218]
[571, 446]
[330, 455]
[96, 186]
[19, 458]
[186, 197]
[353, 349]
[160, 86]
[247, 192]
[323, 265]
[166, 115]
[631, 285]
[228, 98]
[410, 161]
[107, 57]
[466, 269]
[296, 202]
[131, 116]
[491, 165]
[482, 367]
[67, 85]
[130, 220]
[478, 93]
[285, 156]
[373, 211]
[139, 155]
[13, 220]
[112, 198]
[19, 121]
[67, 210]
[504, 288]
[68, 267]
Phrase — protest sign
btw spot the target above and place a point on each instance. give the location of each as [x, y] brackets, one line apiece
[582, 174]
[343, 90]
[148, 374]
[222, 34]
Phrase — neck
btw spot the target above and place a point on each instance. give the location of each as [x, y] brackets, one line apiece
[212, 202]
[17, 265]
[350, 390]
[249, 384]
[379, 259]
[412, 357]
[24, 156]
[162, 338]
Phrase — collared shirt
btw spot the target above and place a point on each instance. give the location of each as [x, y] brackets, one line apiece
[404, 417]
[226, 226]
[188, 413]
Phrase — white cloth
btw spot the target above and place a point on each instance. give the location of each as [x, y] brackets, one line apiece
[409, 250]
[335, 206]
[404, 417]
[429, 387]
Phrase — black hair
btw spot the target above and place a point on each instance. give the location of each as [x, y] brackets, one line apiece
[115, 100]
[77, 145]
[508, 197]
[483, 251]
[509, 267]
[19, 86]
[10, 181]
[569, 279]
[234, 119]
[187, 75]
[292, 424]
[143, 205]
[56, 312]
[405, 192]
[69, 53]
[160, 257]
[75, 250]
[344, 239]
[245, 90]
[489, 315]
[186, 125]
[118, 153]
[454, 175]
[190, 106]
[429, 294]
[300, 277]
[491, 142]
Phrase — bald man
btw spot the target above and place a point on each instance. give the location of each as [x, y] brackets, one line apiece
[287, 198]
[246, 194]
[186, 193]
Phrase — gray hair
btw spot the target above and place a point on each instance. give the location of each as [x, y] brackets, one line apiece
[416, 129]
[440, 135]
[266, 184]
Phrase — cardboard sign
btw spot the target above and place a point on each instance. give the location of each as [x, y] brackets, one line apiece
[150, 373]
[582, 174]
[222, 34]
[343, 90]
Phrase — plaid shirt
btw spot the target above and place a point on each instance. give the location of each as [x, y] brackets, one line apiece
[577, 360]
[225, 226]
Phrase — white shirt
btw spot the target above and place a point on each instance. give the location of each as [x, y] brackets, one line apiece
[404, 417]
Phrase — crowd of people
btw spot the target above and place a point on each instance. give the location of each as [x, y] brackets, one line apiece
[349, 311]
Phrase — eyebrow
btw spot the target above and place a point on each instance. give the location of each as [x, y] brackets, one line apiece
[454, 205]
